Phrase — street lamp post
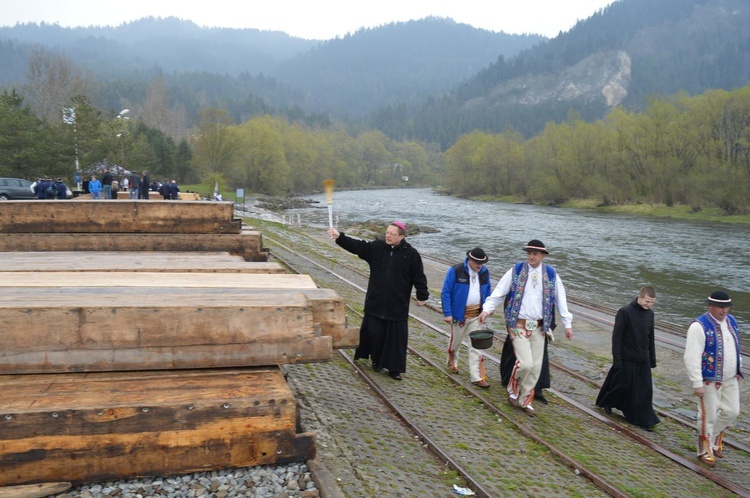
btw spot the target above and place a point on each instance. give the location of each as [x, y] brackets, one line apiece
[121, 116]
[69, 117]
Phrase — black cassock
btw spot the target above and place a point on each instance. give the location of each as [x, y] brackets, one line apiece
[628, 385]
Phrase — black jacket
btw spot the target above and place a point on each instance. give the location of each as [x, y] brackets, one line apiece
[393, 273]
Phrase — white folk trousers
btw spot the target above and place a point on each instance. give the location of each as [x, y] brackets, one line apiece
[476, 359]
[722, 405]
[529, 348]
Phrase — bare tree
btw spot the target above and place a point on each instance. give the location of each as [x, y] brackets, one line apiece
[52, 80]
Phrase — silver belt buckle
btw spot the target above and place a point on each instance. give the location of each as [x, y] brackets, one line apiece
[531, 324]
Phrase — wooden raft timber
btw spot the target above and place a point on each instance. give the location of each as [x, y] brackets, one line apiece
[109, 216]
[93, 427]
[132, 225]
[247, 244]
[152, 351]
[97, 321]
[133, 261]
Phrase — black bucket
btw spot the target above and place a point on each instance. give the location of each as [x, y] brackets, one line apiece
[481, 339]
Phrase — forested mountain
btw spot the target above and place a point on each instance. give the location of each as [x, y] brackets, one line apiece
[431, 80]
[240, 69]
[622, 55]
[400, 62]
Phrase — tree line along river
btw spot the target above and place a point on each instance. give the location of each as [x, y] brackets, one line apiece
[602, 257]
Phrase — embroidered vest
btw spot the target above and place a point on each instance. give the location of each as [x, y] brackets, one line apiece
[712, 359]
[518, 285]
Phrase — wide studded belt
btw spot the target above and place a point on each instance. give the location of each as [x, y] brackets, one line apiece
[522, 323]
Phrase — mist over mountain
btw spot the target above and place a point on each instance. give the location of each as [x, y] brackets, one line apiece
[431, 80]
[343, 77]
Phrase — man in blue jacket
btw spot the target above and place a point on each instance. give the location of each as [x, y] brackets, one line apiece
[465, 288]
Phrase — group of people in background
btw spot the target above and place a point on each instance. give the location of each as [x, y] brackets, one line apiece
[46, 188]
[531, 294]
[137, 186]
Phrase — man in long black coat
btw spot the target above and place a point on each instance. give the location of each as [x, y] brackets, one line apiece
[395, 267]
[628, 385]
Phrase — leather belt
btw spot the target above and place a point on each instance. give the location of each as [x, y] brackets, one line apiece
[521, 323]
[473, 311]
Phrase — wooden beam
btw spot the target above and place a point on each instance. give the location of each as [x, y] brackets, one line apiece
[34, 490]
[247, 244]
[96, 331]
[133, 261]
[89, 427]
[285, 281]
[110, 216]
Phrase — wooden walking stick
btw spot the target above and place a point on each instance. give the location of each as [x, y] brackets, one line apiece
[328, 187]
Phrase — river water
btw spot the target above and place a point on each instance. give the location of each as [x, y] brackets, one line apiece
[604, 258]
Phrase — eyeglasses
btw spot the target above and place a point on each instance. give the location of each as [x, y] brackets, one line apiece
[392, 234]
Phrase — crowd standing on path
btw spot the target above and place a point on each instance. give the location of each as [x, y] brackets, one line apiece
[628, 386]
[145, 184]
[61, 190]
[395, 268]
[465, 288]
[95, 187]
[713, 359]
[107, 184]
[135, 186]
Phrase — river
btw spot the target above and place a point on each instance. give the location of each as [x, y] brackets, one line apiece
[601, 257]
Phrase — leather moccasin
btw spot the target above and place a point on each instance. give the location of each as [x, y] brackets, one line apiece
[482, 383]
[707, 459]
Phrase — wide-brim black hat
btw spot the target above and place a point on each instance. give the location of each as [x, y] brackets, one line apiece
[720, 299]
[478, 255]
[536, 245]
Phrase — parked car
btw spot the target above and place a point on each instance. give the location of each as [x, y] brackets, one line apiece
[15, 188]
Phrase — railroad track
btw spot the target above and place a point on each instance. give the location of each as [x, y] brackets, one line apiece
[576, 439]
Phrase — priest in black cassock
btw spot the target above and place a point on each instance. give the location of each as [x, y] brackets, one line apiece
[628, 385]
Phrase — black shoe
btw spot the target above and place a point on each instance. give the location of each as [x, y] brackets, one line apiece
[376, 367]
[608, 410]
[395, 376]
[540, 398]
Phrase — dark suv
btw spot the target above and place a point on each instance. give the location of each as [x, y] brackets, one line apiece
[15, 188]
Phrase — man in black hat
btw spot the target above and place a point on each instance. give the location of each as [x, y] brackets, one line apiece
[714, 365]
[465, 288]
[534, 291]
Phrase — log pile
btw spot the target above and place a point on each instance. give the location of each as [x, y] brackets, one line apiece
[125, 363]
[110, 225]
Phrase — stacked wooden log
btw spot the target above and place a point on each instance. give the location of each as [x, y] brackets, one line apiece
[116, 364]
[109, 225]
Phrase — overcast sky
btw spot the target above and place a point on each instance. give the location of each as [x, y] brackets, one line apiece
[319, 20]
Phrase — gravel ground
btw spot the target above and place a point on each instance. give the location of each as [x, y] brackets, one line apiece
[279, 481]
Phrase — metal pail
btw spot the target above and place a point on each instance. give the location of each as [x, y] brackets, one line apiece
[481, 339]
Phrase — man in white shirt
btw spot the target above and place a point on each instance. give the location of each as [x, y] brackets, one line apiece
[530, 292]
[714, 366]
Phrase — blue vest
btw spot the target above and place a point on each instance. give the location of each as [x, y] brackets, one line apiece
[712, 359]
[515, 296]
